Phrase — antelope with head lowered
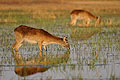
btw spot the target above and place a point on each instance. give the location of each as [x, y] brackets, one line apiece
[34, 35]
[85, 16]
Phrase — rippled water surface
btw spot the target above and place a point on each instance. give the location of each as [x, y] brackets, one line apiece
[94, 54]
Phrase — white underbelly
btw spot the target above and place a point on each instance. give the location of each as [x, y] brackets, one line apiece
[80, 18]
[30, 41]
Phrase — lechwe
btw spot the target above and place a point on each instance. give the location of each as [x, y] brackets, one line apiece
[85, 16]
[34, 35]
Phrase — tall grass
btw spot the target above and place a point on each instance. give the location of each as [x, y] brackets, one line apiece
[90, 46]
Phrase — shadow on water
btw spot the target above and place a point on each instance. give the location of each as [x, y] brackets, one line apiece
[39, 64]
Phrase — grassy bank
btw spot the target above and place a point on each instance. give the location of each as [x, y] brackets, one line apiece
[46, 12]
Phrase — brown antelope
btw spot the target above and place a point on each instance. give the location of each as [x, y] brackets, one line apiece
[85, 16]
[34, 35]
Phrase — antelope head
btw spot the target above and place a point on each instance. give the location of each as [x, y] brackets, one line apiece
[98, 19]
[65, 43]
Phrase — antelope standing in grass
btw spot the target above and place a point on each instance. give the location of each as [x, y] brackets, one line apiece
[34, 35]
[85, 16]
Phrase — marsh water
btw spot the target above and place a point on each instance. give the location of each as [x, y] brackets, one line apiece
[94, 54]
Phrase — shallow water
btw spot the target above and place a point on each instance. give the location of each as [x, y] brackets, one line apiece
[93, 54]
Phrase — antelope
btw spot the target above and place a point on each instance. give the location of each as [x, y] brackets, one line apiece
[85, 16]
[33, 35]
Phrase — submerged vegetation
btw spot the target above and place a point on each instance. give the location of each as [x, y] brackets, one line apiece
[94, 51]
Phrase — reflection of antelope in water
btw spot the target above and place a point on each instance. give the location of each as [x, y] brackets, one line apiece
[40, 36]
[27, 70]
[83, 15]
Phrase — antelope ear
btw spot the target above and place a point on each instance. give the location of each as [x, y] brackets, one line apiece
[64, 39]
[99, 17]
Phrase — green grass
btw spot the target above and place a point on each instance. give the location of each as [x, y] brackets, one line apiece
[85, 42]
